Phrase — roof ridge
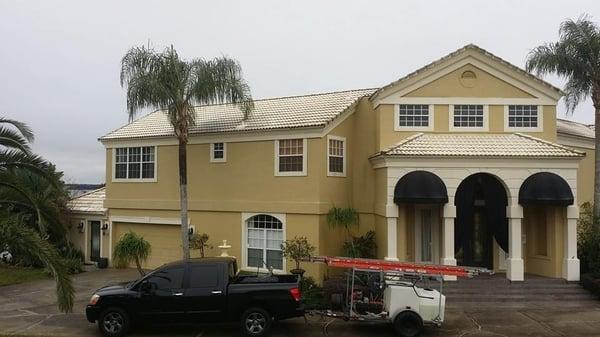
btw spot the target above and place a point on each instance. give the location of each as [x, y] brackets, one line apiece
[547, 142]
[88, 193]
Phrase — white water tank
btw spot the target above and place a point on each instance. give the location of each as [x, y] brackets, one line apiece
[425, 302]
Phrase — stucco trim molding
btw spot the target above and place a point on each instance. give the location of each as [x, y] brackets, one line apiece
[146, 220]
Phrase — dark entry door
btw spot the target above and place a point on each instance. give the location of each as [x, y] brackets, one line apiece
[478, 241]
[95, 240]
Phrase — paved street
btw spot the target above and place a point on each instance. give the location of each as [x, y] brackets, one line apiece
[30, 309]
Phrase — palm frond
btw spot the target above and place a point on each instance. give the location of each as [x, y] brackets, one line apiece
[220, 81]
[24, 241]
[25, 130]
[575, 57]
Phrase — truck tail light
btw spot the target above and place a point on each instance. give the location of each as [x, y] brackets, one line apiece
[295, 292]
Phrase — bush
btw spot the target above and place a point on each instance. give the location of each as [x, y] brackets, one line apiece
[361, 246]
[200, 242]
[131, 248]
[591, 282]
[588, 243]
[297, 249]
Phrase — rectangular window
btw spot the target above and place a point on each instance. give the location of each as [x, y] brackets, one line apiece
[413, 115]
[218, 152]
[134, 162]
[336, 156]
[204, 276]
[290, 156]
[468, 116]
[522, 116]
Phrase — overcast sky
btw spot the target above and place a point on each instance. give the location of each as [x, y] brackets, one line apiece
[59, 60]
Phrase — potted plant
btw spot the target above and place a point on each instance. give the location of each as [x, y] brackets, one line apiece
[297, 249]
[131, 248]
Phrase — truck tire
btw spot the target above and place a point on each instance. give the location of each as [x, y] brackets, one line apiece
[408, 324]
[256, 322]
[113, 322]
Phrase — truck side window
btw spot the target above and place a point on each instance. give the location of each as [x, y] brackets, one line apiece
[166, 280]
[204, 276]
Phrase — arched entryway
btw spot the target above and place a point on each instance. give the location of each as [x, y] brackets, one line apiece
[481, 201]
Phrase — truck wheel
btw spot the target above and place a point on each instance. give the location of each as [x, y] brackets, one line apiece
[113, 322]
[256, 322]
[408, 324]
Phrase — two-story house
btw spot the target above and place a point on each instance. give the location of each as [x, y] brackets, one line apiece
[460, 162]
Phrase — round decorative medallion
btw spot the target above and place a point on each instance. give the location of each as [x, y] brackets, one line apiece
[468, 79]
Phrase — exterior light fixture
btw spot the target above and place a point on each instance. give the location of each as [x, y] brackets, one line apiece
[80, 227]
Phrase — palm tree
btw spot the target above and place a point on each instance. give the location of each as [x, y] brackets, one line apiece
[25, 180]
[164, 81]
[575, 57]
[131, 248]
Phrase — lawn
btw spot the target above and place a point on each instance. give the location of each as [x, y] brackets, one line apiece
[14, 275]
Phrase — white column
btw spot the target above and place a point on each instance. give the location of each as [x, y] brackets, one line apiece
[392, 237]
[448, 238]
[514, 264]
[571, 262]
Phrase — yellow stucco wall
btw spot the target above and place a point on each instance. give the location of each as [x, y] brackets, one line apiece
[585, 175]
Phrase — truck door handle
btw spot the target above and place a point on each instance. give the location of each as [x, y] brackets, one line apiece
[177, 294]
[216, 292]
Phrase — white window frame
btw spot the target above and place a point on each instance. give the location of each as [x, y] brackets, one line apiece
[540, 118]
[304, 160]
[245, 217]
[486, 120]
[134, 180]
[212, 153]
[345, 149]
[398, 127]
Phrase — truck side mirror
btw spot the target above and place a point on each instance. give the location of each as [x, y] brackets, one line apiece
[146, 287]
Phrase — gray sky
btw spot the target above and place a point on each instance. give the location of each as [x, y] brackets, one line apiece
[59, 62]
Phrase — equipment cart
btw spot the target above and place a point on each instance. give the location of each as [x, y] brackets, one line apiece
[399, 293]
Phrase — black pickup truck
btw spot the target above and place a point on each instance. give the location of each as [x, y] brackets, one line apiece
[197, 291]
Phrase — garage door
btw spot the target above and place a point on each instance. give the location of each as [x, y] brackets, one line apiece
[165, 241]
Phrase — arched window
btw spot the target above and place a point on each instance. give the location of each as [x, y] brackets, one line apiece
[264, 238]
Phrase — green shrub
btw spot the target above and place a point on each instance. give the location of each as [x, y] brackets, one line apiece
[361, 246]
[588, 242]
[131, 248]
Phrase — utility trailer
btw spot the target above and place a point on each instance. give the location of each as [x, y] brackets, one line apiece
[394, 292]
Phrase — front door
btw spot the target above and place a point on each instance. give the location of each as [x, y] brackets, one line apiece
[426, 234]
[95, 240]
[478, 245]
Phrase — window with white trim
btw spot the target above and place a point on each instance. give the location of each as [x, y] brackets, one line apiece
[264, 239]
[413, 115]
[135, 163]
[336, 156]
[468, 116]
[218, 152]
[523, 116]
[291, 156]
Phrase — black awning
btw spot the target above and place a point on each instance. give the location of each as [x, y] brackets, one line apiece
[420, 187]
[545, 188]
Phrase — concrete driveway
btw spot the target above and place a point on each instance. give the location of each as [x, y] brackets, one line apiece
[30, 309]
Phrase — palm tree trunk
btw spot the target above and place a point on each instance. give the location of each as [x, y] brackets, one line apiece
[139, 266]
[597, 165]
[183, 199]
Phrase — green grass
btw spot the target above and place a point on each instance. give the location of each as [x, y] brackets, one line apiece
[15, 275]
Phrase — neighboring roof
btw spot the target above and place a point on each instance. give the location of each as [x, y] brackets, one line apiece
[458, 52]
[274, 113]
[479, 145]
[91, 202]
[574, 128]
